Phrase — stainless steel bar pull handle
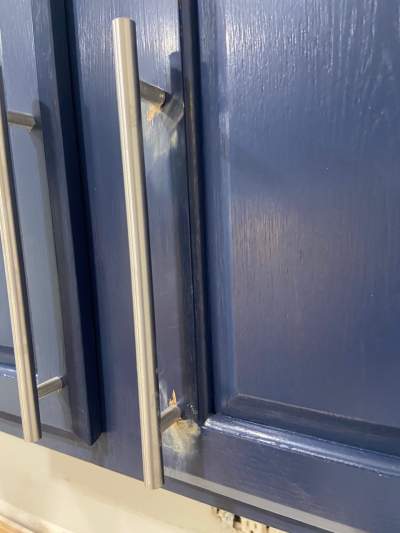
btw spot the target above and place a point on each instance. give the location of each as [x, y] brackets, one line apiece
[21, 119]
[130, 123]
[28, 391]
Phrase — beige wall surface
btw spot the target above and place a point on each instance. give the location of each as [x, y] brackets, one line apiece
[41, 488]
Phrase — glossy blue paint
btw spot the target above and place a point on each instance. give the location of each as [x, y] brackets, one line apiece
[272, 179]
[46, 187]
[18, 62]
[301, 127]
[300, 120]
[95, 110]
[118, 447]
[191, 79]
[324, 485]
[58, 126]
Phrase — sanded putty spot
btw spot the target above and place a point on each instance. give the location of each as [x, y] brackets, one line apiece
[179, 440]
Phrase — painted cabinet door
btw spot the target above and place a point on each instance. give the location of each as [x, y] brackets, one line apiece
[95, 108]
[300, 133]
[53, 236]
[273, 193]
[89, 112]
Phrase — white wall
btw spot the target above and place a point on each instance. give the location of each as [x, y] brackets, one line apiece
[40, 486]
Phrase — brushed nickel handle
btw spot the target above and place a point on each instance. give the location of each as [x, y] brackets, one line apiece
[28, 390]
[21, 119]
[131, 135]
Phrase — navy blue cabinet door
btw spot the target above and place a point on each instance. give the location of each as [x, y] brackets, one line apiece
[47, 183]
[93, 116]
[273, 189]
[299, 125]
[95, 107]
[272, 182]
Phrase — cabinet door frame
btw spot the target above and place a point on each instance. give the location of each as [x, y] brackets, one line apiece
[323, 484]
[77, 407]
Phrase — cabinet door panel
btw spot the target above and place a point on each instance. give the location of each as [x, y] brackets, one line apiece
[159, 64]
[51, 251]
[302, 204]
[300, 178]
[295, 108]
[95, 108]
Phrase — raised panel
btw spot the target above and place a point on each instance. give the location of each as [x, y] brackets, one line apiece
[301, 126]
[299, 188]
[35, 65]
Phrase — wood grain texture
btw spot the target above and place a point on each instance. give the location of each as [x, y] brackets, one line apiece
[300, 130]
[159, 63]
[95, 104]
[35, 61]
[119, 447]
[269, 470]
[18, 60]
[302, 164]
[300, 117]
